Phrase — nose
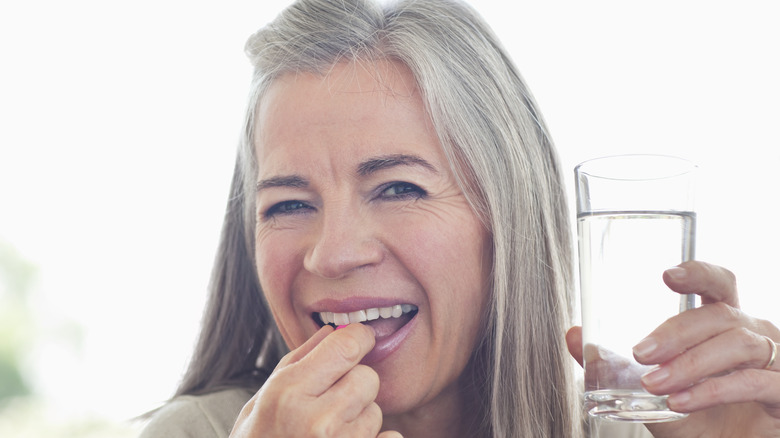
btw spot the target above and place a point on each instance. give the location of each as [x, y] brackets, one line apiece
[343, 242]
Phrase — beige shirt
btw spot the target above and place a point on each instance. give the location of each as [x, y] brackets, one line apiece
[608, 429]
[212, 416]
[202, 416]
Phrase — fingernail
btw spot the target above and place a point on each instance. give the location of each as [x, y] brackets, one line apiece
[644, 348]
[656, 376]
[679, 399]
[677, 273]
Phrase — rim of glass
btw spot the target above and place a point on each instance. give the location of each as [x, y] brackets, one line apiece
[663, 167]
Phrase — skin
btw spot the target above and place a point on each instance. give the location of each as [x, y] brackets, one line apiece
[335, 225]
[710, 361]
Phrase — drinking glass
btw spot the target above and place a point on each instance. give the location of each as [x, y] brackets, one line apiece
[635, 218]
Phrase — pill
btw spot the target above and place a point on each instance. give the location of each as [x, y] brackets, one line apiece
[341, 326]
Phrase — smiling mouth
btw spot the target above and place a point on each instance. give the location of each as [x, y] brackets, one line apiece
[388, 319]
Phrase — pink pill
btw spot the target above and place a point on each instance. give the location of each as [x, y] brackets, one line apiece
[341, 326]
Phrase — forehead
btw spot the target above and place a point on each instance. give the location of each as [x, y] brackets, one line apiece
[370, 106]
[309, 96]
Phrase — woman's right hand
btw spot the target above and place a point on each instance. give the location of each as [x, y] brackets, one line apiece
[320, 389]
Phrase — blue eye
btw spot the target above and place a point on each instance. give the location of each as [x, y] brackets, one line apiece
[402, 190]
[285, 208]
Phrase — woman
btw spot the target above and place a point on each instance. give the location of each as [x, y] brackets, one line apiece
[395, 171]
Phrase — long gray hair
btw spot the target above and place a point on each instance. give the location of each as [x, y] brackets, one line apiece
[498, 146]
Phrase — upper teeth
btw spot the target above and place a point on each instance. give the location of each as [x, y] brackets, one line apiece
[366, 315]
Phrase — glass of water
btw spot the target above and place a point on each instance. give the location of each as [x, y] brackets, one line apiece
[635, 219]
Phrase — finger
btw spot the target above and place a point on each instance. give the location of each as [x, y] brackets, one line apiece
[390, 434]
[748, 385]
[713, 283]
[353, 392]
[745, 348]
[688, 329]
[333, 357]
[306, 347]
[574, 343]
[367, 424]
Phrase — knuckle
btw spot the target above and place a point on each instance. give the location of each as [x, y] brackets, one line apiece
[752, 344]
[287, 400]
[374, 412]
[323, 428]
[724, 312]
[281, 382]
[347, 348]
[716, 390]
[753, 340]
[285, 360]
[745, 337]
[764, 326]
[713, 391]
[718, 272]
[730, 277]
[370, 422]
[755, 344]
[367, 374]
[690, 361]
[751, 380]
[368, 380]
[740, 386]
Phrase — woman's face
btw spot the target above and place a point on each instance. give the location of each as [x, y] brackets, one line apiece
[358, 215]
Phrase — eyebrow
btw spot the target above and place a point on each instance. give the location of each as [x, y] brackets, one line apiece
[373, 165]
[365, 168]
[292, 181]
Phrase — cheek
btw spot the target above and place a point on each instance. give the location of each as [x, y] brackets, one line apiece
[468, 269]
[452, 261]
[276, 267]
[271, 265]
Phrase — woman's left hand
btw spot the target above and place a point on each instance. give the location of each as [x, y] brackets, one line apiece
[714, 362]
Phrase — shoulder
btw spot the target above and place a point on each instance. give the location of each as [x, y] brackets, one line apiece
[198, 416]
[606, 429]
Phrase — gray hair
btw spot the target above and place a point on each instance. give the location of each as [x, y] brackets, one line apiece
[497, 144]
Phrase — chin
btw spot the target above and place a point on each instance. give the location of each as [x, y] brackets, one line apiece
[400, 391]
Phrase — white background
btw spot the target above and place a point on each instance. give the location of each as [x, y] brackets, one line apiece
[119, 122]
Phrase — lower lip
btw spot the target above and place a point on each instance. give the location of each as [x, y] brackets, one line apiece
[386, 346]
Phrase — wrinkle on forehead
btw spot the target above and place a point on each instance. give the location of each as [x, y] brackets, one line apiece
[388, 78]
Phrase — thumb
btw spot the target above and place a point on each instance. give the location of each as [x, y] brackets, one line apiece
[305, 348]
[390, 434]
[574, 343]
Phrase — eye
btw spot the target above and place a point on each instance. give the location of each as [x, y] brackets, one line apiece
[401, 190]
[286, 208]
